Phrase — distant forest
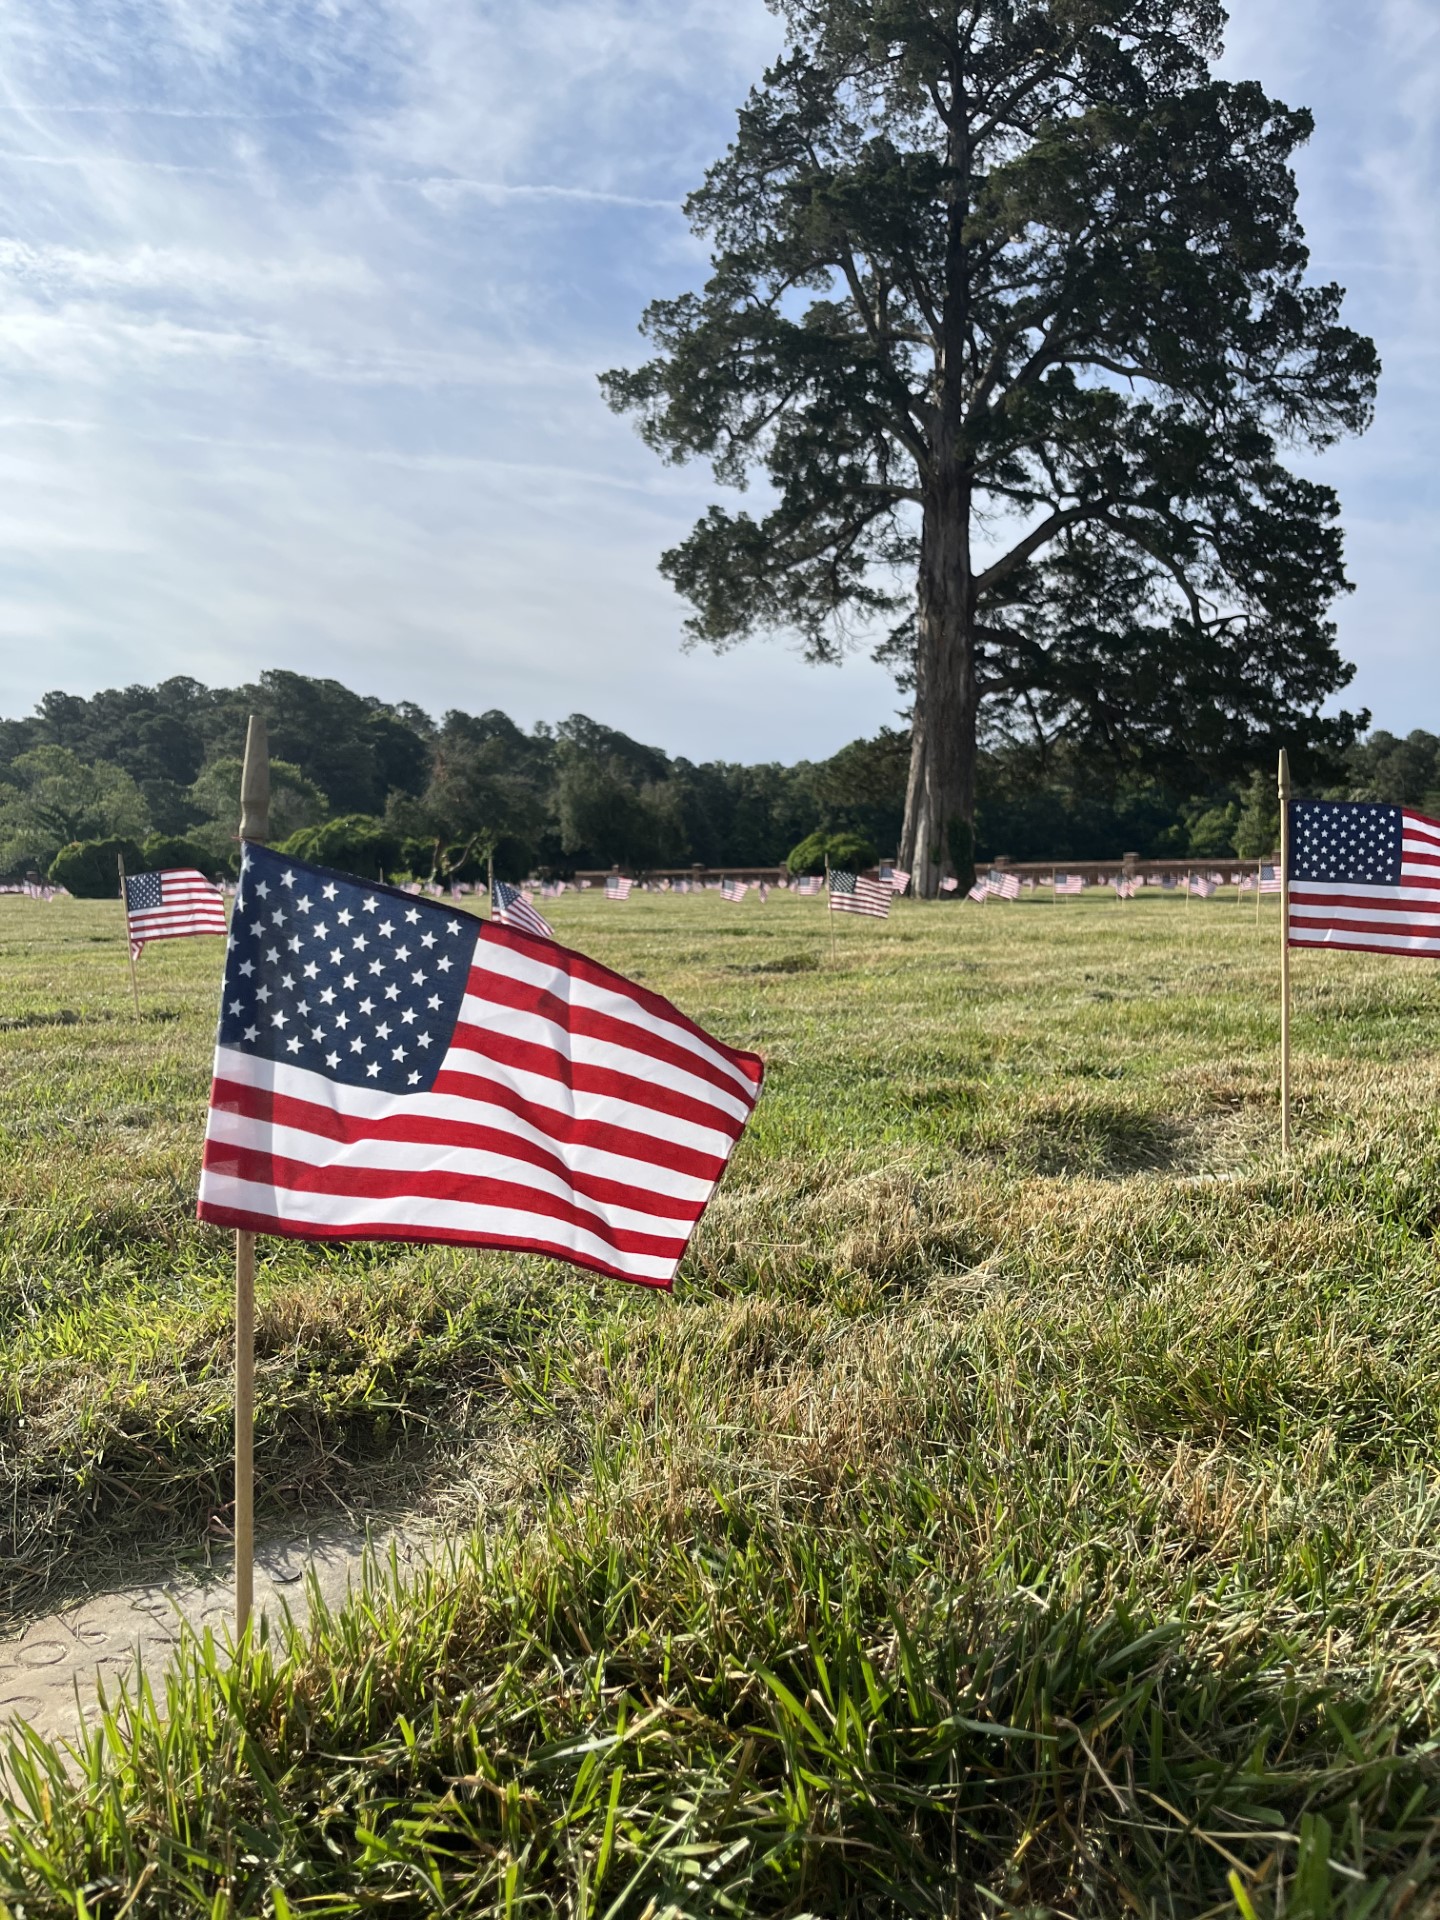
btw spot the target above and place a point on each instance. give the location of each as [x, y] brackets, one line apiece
[359, 783]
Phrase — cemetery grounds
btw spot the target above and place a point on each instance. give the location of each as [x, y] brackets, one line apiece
[1026, 1503]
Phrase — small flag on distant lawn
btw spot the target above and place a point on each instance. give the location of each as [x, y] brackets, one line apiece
[950, 884]
[1124, 889]
[617, 887]
[1069, 883]
[810, 884]
[391, 1069]
[513, 909]
[980, 892]
[1201, 887]
[1005, 886]
[1364, 876]
[169, 905]
[733, 890]
[852, 894]
[1270, 880]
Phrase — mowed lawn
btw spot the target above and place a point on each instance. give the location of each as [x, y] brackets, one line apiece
[1028, 1501]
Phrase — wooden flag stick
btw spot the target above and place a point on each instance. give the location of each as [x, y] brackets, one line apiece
[1284, 951]
[1259, 869]
[129, 949]
[490, 880]
[254, 825]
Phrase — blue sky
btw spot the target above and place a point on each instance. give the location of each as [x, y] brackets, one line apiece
[303, 305]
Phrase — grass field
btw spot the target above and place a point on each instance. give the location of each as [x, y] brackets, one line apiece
[1028, 1502]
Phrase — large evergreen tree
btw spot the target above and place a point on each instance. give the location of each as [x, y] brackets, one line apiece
[1009, 309]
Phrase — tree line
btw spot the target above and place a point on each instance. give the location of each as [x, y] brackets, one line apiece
[153, 773]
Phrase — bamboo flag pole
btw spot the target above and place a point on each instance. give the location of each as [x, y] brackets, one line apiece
[254, 825]
[1284, 783]
[490, 880]
[129, 948]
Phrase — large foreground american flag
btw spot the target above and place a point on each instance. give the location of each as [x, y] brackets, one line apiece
[169, 905]
[1364, 876]
[390, 1069]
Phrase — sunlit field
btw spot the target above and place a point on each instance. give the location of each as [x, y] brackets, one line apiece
[1027, 1502]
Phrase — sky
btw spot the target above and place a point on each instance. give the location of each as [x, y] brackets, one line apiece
[304, 300]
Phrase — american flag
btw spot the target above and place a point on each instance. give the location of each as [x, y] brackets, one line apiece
[810, 884]
[1201, 887]
[1069, 883]
[979, 892]
[513, 909]
[1124, 889]
[1364, 876]
[849, 894]
[392, 1069]
[617, 887]
[1005, 885]
[171, 904]
[897, 876]
[1269, 880]
[950, 884]
[733, 890]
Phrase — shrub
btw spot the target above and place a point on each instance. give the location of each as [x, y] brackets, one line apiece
[174, 850]
[89, 868]
[846, 850]
[357, 843]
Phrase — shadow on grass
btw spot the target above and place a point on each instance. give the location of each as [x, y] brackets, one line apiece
[1101, 1139]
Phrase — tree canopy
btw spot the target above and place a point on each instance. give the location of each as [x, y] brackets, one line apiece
[1008, 311]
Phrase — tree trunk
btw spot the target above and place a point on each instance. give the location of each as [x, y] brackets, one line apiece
[938, 840]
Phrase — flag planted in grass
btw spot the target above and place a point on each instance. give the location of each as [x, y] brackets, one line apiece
[617, 887]
[1363, 876]
[170, 905]
[850, 893]
[389, 1069]
[513, 909]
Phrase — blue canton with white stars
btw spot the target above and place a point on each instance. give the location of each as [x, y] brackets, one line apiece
[1346, 840]
[359, 982]
[144, 892]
